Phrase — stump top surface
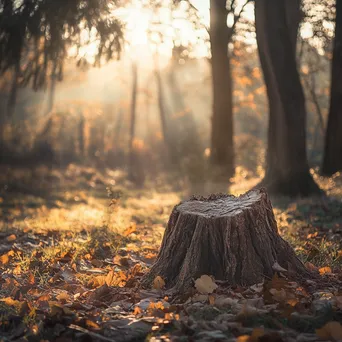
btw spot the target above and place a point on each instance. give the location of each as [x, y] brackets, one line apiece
[222, 206]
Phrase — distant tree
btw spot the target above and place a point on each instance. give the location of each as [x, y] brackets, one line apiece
[132, 157]
[332, 161]
[35, 36]
[287, 169]
[222, 147]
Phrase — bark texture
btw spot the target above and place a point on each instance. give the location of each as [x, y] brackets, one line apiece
[287, 169]
[231, 238]
[222, 149]
[332, 161]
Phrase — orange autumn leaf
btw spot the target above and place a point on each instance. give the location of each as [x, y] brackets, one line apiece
[17, 270]
[130, 230]
[92, 324]
[4, 259]
[137, 311]
[211, 299]
[324, 270]
[31, 279]
[10, 301]
[158, 283]
[11, 238]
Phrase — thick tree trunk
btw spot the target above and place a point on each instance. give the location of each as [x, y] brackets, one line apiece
[332, 161]
[231, 238]
[287, 169]
[222, 149]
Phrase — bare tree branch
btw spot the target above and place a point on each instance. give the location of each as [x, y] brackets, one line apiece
[237, 17]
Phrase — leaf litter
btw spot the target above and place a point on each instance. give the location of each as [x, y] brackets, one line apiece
[69, 272]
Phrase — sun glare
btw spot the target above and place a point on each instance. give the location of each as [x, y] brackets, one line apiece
[148, 31]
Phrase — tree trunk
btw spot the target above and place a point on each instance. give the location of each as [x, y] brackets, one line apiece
[118, 127]
[222, 149]
[133, 108]
[161, 105]
[12, 101]
[287, 169]
[169, 135]
[81, 133]
[332, 161]
[234, 239]
[52, 90]
[189, 141]
[136, 174]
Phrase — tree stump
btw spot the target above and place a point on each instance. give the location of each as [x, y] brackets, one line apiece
[232, 238]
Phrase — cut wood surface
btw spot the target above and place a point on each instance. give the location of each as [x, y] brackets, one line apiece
[230, 238]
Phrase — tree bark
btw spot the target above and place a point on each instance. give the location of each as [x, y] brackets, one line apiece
[231, 238]
[287, 169]
[332, 161]
[222, 148]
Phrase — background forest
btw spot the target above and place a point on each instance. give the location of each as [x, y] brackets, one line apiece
[114, 111]
[154, 102]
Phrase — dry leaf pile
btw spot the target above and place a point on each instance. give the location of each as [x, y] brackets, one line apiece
[67, 277]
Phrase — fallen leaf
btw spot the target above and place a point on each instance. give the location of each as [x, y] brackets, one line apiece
[17, 270]
[110, 278]
[130, 230]
[205, 284]
[158, 283]
[10, 301]
[11, 238]
[31, 279]
[63, 297]
[279, 295]
[4, 259]
[211, 300]
[92, 324]
[311, 267]
[324, 270]
[137, 311]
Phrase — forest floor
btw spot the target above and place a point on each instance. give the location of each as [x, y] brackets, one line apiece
[74, 245]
